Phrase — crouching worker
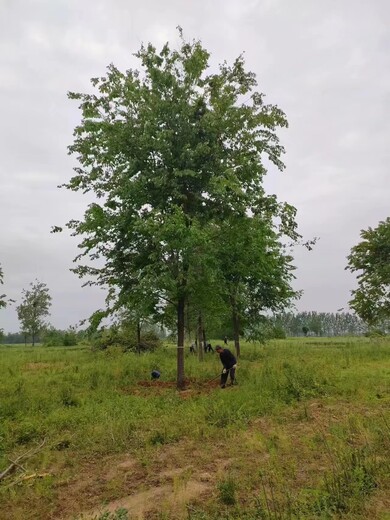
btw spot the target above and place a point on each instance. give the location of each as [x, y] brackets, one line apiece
[229, 363]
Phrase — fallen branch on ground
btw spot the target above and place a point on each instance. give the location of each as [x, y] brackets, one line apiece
[15, 463]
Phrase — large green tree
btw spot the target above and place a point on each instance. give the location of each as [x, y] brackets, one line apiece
[167, 152]
[371, 260]
[34, 309]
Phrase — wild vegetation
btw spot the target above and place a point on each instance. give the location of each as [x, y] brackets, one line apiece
[305, 434]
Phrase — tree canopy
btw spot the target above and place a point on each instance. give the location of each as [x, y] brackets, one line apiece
[171, 154]
[34, 309]
[371, 260]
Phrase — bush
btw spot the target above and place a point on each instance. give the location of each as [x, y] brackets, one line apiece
[375, 333]
[126, 339]
[58, 338]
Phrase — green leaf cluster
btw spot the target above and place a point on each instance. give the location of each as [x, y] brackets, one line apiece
[34, 308]
[371, 260]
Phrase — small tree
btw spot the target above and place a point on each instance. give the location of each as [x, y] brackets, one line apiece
[256, 271]
[34, 308]
[371, 259]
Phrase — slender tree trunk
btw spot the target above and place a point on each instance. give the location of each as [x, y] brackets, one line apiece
[33, 339]
[180, 342]
[201, 349]
[236, 329]
[204, 340]
[188, 323]
[139, 337]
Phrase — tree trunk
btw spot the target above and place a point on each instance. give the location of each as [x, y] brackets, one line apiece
[201, 348]
[188, 323]
[204, 340]
[236, 330]
[180, 342]
[33, 338]
[138, 337]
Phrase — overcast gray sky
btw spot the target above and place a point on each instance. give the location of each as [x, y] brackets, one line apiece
[325, 63]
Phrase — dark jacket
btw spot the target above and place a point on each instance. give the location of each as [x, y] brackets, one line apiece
[227, 358]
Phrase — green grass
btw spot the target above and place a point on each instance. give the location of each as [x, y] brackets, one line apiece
[90, 404]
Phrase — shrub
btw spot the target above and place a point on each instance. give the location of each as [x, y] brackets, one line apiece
[56, 338]
[126, 339]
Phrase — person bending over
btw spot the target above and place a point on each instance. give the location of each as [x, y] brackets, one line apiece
[229, 363]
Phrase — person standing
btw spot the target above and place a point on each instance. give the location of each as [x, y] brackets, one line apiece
[229, 363]
[225, 340]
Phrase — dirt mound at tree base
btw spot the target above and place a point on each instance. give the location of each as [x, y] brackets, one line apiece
[191, 387]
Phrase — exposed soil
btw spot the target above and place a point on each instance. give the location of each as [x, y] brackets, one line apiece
[191, 387]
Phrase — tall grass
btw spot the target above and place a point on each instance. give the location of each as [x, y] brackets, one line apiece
[92, 403]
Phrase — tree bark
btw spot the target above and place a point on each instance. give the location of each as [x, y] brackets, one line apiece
[204, 340]
[180, 342]
[188, 323]
[236, 329]
[201, 348]
[138, 337]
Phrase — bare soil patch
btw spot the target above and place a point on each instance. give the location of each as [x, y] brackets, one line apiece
[191, 387]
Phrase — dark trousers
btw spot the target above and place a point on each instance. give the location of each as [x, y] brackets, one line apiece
[224, 377]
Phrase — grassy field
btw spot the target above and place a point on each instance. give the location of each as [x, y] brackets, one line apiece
[305, 434]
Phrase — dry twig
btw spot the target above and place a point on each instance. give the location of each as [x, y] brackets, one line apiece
[15, 463]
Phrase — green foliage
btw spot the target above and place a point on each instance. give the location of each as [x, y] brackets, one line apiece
[53, 337]
[320, 323]
[3, 297]
[3, 302]
[264, 330]
[227, 491]
[176, 157]
[375, 333]
[371, 259]
[125, 338]
[34, 308]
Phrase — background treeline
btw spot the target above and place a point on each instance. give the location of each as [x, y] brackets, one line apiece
[324, 324]
[49, 337]
[126, 335]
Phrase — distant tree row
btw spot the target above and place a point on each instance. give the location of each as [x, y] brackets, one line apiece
[320, 324]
